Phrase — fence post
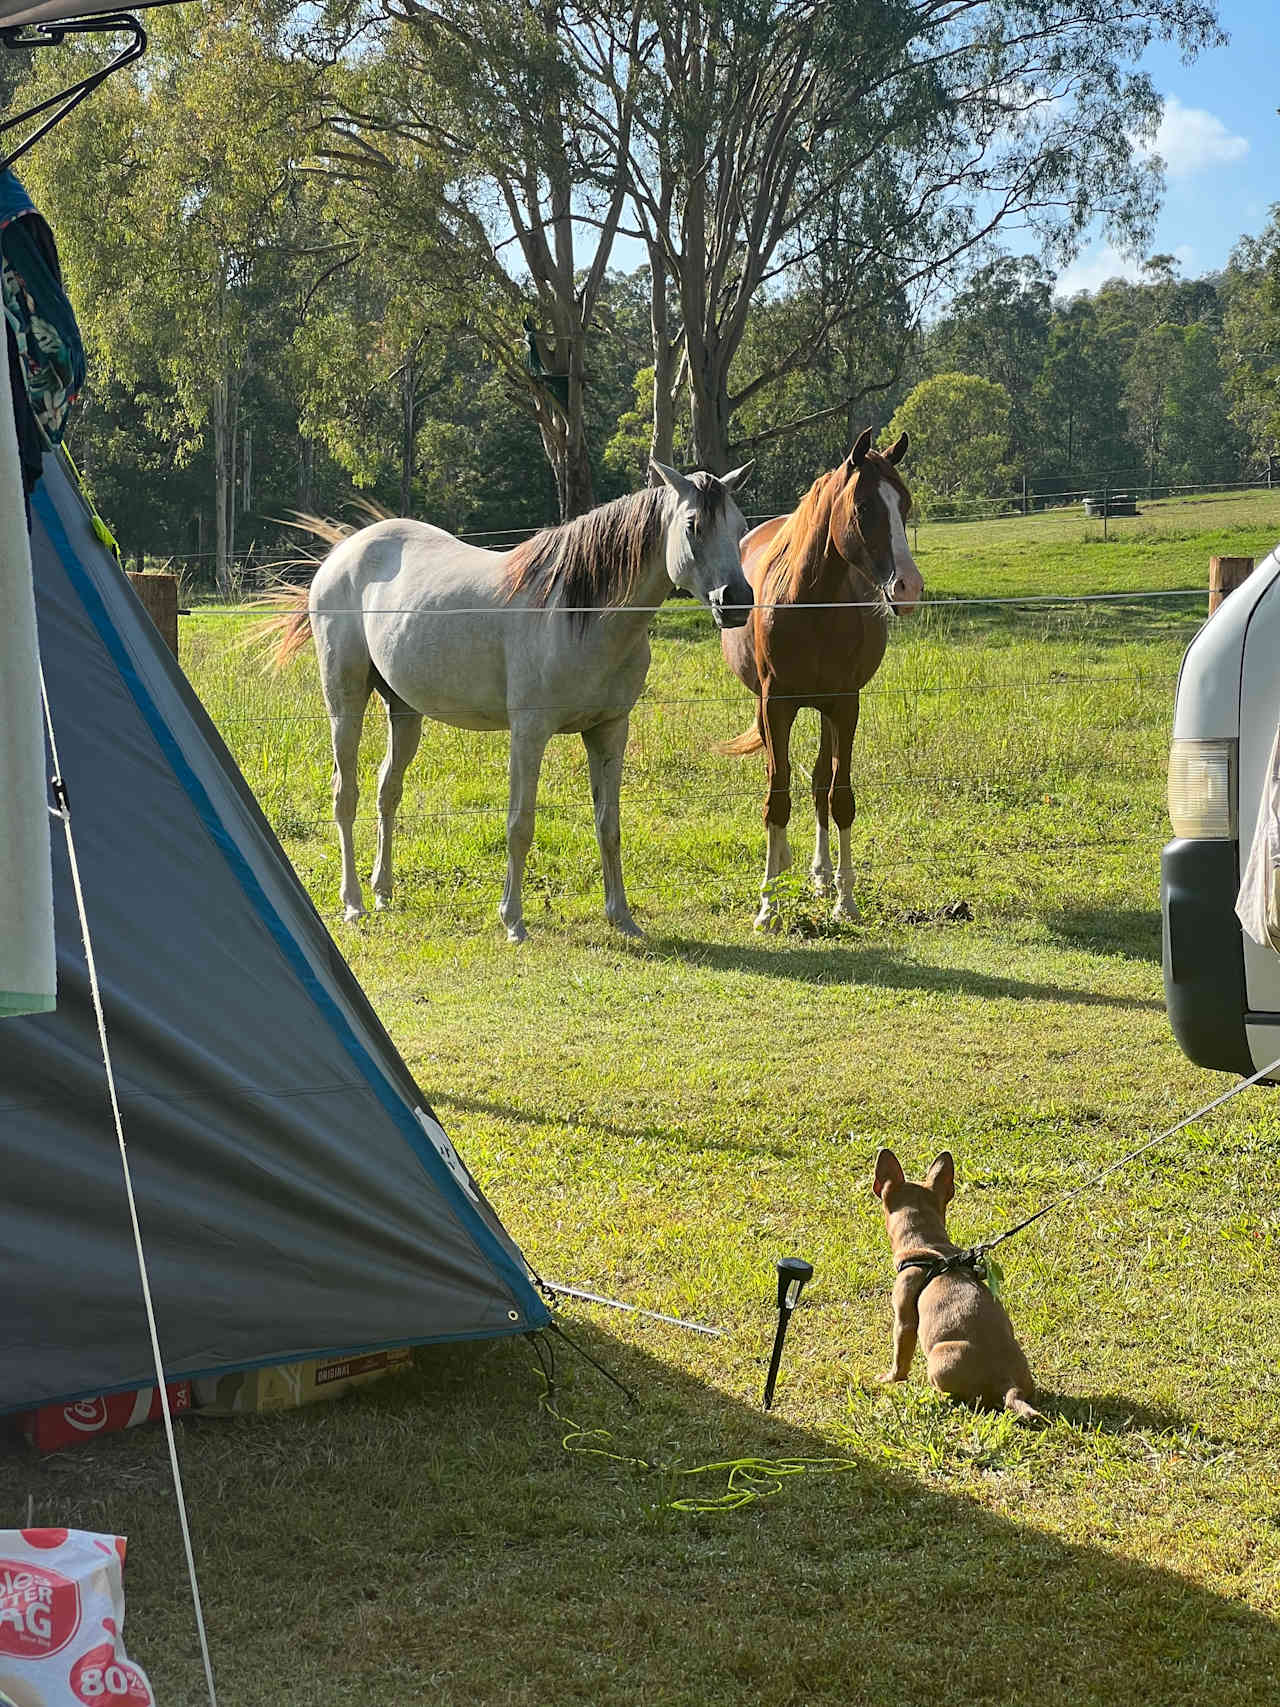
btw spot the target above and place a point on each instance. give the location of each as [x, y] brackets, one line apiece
[1024, 495]
[1225, 575]
[159, 595]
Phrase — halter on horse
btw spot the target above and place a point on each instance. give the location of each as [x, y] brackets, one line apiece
[825, 578]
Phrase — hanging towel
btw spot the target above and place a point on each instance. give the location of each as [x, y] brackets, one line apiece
[1258, 905]
[28, 978]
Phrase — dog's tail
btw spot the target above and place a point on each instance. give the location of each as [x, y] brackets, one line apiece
[1016, 1400]
[750, 741]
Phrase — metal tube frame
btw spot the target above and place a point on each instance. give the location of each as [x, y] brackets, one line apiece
[51, 35]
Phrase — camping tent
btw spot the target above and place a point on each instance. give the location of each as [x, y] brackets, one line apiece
[296, 1195]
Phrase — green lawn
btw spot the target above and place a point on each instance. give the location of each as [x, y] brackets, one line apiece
[661, 1121]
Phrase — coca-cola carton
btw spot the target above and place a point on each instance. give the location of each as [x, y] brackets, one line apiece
[55, 1426]
[61, 1621]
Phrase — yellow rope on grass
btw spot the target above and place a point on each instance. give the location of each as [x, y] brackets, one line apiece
[748, 1479]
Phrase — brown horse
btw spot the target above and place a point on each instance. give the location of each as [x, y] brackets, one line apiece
[825, 578]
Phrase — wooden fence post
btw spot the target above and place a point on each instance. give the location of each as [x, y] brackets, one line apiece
[159, 594]
[1225, 575]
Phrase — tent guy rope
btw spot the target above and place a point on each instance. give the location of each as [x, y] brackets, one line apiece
[63, 811]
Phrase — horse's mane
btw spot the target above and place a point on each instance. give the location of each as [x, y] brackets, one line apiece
[594, 560]
[796, 551]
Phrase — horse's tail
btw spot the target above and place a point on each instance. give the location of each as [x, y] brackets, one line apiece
[750, 741]
[282, 634]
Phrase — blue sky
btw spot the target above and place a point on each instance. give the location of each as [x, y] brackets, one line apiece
[1220, 140]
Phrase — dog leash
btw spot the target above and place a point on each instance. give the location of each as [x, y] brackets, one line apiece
[975, 1256]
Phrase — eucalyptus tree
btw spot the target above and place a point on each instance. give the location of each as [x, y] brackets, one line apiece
[997, 325]
[1250, 342]
[181, 220]
[464, 130]
[883, 142]
[1083, 429]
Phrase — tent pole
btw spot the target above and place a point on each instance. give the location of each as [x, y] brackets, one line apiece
[51, 35]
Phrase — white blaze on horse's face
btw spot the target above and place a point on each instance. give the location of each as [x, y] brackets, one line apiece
[907, 586]
[702, 549]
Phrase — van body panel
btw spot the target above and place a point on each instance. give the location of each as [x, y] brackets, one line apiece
[1259, 715]
[1222, 989]
[1208, 703]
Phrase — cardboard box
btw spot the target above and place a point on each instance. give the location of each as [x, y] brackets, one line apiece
[52, 1427]
[288, 1385]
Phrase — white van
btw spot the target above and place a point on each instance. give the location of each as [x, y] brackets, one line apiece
[1222, 988]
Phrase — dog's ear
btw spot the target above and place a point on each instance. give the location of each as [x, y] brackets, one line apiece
[941, 1178]
[888, 1172]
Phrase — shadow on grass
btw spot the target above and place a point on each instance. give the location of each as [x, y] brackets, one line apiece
[429, 1539]
[1131, 931]
[845, 963]
[1113, 1413]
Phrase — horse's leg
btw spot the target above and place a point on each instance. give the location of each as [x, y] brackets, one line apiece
[845, 726]
[777, 715]
[821, 868]
[404, 731]
[528, 743]
[346, 720]
[605, 745]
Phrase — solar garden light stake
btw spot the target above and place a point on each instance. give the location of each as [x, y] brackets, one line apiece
[793, 1272]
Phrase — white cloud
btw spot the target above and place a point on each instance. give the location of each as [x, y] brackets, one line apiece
[1189, 139]
[1091, 270]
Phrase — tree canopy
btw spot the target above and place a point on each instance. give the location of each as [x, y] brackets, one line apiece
[374, 245]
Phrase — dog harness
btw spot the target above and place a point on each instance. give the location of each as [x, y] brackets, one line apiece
[935, 1267]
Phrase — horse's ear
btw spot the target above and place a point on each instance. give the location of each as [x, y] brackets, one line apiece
[897, 450]
[858, 455]
[888, 1172]
[941, 1177]
[682, 487]
[738, 476]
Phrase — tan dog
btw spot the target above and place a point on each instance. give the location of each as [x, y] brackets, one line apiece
[967, 1337]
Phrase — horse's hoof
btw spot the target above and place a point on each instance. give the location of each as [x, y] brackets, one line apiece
[823, 881]
[381, 903]
[517, 932]
[627, 925]
[351, 915]
[847, 912]
[768, 919]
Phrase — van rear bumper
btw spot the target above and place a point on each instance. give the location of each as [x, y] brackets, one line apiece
[1204, 986]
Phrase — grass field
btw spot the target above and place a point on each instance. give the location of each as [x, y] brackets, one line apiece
[661, 1120]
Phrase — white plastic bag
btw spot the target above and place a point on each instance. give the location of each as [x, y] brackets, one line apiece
[62, 1621]
[1258, 904]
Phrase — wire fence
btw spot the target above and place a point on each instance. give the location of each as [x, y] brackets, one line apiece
[1046, 737]
[1105, 498]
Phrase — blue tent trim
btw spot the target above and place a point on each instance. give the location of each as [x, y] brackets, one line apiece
[535, 1312]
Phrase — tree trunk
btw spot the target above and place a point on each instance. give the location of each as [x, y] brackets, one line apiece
[709, 407]
[233, 429]
[306, 473]
[662, 438]
[221, 485]
[708, 375]
[408, 429]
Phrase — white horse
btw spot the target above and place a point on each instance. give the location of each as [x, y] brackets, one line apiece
[548, 639]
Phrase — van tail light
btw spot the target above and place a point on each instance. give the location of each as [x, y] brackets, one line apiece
[1202, 789]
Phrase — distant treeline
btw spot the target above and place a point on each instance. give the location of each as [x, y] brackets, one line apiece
[370, 250]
